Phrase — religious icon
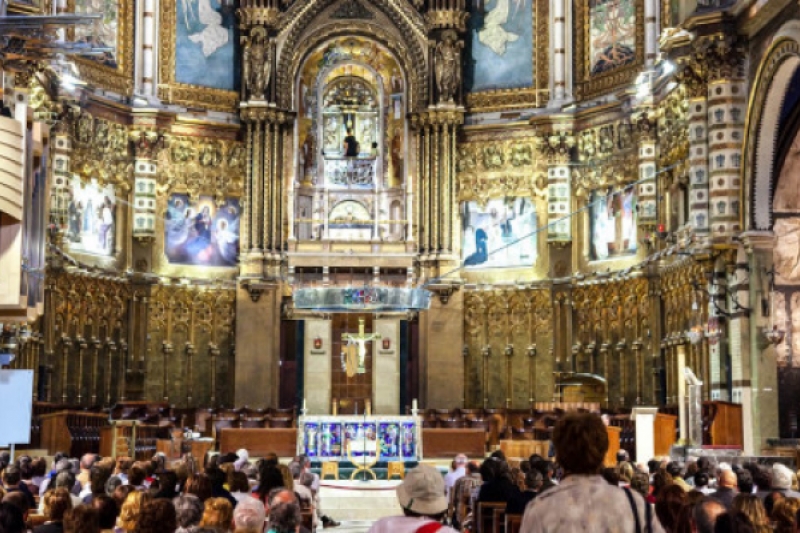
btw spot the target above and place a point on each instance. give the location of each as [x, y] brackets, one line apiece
[387, 344]
[317, 343]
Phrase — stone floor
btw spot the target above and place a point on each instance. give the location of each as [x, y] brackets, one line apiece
[359, 501]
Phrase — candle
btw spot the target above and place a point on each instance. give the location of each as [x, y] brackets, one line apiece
[414, 404]
[304, 405]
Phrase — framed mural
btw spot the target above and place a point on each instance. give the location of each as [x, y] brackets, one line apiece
[201, 233]
[509, 45]
[114, 69]
[609, 44]
[613, 224]
[198, 61]
[501, 233]
[91, 217]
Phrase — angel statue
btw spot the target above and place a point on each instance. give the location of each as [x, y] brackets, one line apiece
[257, 65]
[448, 66]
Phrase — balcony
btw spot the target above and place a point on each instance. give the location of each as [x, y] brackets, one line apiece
[350, 172]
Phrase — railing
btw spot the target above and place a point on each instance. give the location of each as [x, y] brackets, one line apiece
[350, 171]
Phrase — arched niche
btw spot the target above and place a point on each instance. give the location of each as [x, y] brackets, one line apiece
[351, 84]
[775, 72]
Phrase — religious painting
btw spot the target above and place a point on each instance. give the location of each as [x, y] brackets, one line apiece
[91, 217]
[502, 45]
[609, 36]
[787, 250]
[311, 439]
[102, 34]
[330, 440]
[501, 233]
[204, 49]
[201, 232]
[613, 224]
[361, 439]
[612, 26]
[198, 62]
[397, 441]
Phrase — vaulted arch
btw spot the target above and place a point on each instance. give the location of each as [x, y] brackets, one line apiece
[410, 52]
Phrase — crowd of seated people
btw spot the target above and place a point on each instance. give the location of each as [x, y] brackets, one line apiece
[576, 492]
[227, 494]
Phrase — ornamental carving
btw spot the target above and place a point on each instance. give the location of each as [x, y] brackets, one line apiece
[202, 166]
[100, 150]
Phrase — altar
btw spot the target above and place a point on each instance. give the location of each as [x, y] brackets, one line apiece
[341, 438]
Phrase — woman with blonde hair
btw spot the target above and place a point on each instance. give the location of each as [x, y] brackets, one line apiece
[751, 506]
[56, 504]
[784, 513]
[129, 514]
[218, 514]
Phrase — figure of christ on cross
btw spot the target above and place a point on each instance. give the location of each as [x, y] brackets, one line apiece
[357, 347]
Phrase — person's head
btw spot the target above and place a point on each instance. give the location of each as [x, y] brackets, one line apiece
[82, 519]
[349, 131]
[422, 492]
[296, 470]
[675, 469]
[306, 479]
[167, 483]
[744, 482]
[751, 505]
[771, 499]
[216, 476]
[653, 465]
[728, 479]
[157, 516]
[489, 469]
[188, 510]
[498, 454]
[106, 510]
[19, 499]
[11, 476]
[284, 518]
[270, 478]
[701, 480]
[762, 477]
[460, 460]
[473, 467]
[668, 506]
[11, 519]
[65, 479]
[705, 464]
[137, 475]
[533, 480]
[218, 513]
[705, 514]
[130, 510]
[581, 443]
[623, 456]
[611, 476]
[625, 470]
[640, 482]
[98, 477]
[734, 522]
[784, 513]
[250, 515]
[781, 477]
[279, 495]
[200, 486]
[239, 482]
[56, 503]
[661, 480]
[88, 460]
[121, 493]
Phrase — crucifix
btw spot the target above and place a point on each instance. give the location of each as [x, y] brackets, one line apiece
[356, 349]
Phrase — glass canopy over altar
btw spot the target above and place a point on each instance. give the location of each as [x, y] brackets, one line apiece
[341, 438]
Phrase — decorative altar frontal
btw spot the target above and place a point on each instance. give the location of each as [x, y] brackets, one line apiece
[341, 438]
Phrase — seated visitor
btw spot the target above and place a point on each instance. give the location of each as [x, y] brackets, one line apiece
[583, 501]
[56, 503]
[249, 516]
[421, 495]
[533, 484]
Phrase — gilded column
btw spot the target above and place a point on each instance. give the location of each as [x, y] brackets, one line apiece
[147, 142]
[647, 202]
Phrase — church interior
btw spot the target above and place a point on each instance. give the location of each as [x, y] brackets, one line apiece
[228, 214]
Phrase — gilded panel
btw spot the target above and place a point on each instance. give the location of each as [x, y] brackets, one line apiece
[197, 54]
[112, 70]
[609, 44]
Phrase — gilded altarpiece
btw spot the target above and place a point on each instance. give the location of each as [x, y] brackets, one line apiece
[508, 337]
[190, 346]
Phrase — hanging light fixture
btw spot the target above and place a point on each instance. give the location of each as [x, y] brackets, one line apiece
[773, 333]
[695, 333]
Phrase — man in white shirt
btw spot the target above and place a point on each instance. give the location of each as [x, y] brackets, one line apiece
[421, 495]
[459, 471]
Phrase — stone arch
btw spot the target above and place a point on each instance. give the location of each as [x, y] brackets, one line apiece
[408, 21]
[779, 64]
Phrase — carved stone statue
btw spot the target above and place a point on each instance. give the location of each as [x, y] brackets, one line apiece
[448, 66]
[256, 64]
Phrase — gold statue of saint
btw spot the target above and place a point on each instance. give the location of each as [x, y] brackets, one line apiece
[357, 345]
